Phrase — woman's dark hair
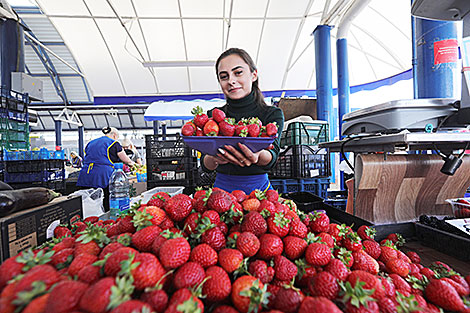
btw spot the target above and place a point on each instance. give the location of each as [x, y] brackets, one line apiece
[106, 130]
[259, 98]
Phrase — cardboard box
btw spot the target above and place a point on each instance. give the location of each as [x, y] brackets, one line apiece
[33, 227]
[140, 187]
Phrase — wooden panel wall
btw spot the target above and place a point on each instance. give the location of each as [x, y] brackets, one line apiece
[398, 188]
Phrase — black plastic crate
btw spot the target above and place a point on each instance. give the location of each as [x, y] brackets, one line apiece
[305, 201]
[205, 179]
[454, 245]
[173, 146]
[175, 169]
[33, 166]
[301, 162]
[57, 185]
[180, 182]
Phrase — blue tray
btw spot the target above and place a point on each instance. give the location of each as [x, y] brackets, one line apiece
[209, 145]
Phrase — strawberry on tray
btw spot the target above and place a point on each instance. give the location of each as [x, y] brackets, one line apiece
[207, 135]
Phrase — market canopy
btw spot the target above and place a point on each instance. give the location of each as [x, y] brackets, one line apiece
[177, 110]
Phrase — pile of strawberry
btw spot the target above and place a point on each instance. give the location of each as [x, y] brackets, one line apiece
[220, 125]
[463, 209]
[224, 253]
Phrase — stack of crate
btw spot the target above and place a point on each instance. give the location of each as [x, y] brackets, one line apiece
[35, 168]
[169, 162]
[14, 122]
[302, 166]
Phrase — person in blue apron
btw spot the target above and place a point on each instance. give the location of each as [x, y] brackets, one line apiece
[75, 160]
[100, 155]
[241, 169]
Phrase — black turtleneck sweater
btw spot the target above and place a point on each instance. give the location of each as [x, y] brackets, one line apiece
[246, 108]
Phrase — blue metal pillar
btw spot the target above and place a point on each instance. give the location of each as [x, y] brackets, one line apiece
[156, 126]
[343, 89]
[437, 53]
[11, 51]
[58, 133]
[414, 62]
[163, 131]
[81, 145]
[324, 83]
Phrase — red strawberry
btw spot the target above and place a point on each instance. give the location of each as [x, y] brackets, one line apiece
[218, 115]
[251, 204]
[272, 195]
[294, 247]
[255, 223]
[36, 305]
[204, 255]
[371, 282]
[372, 248]
[215, 238]
[298, 228]
[112, 265]
[253, 130]
[270, 246]
[398, 266]
[211, 128]
[65, 296]
[131, 306]
[318, 254]
[199, 132]
[125, 225]
[230, 259]
[278, 224]
[319, 223]
[363, 261]
[188, 129]
[159, 199]
[226, 128]
[284, 269]
[444, 295]
[414, 257]
[174, 252]
[240, 195]
[142, 240]
[89, 274]
[327, 239]
[189, 275]
[156, 214]
[318, 305]
[79, 262]
[352, 242]
[219, 201]
[87, 248]
[45, 273]
[218, 286]
[337, 269]
[400, 284]
[62, 231]
[241, 130]
[9, 269]
[271, 129]
[260, 269]
[157, 298]
[178, 207]
[148, 272]
[325, 285]
[97, 296]
[248, 292]
[191, 223]
[288, 300]
[200, 119]
[225, 309]
[248, 244]
[366, 233]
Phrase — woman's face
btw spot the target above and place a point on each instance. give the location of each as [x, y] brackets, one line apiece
[235, 77]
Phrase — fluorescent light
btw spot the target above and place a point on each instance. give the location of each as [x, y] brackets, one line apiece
[177, 63]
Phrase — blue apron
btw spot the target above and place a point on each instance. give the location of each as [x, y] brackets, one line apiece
[97, 167]
[247, 183]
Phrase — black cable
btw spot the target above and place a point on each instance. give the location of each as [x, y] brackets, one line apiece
[350, 139]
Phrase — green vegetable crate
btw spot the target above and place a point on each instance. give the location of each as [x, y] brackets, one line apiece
[302, 133]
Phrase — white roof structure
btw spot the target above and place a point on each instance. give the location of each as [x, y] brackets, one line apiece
[110, 41]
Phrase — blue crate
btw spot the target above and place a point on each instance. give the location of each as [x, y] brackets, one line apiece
[22, 177]
[35, 155]
[52, 175]
[317, 186]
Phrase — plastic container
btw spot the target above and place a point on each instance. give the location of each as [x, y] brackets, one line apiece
[174, 190]
[210, 145]
[460, 207]
[302, 133]
[172, 147]
[317, 186]
[306, 201]
[119, 199]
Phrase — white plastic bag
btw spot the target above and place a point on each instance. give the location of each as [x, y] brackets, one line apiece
[92, 201]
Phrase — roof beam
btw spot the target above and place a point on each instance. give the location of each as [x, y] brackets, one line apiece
[262, 31]
[184, 44]
[131, 118]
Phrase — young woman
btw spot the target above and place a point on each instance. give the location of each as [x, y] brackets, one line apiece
[100, 155]
[241, 168]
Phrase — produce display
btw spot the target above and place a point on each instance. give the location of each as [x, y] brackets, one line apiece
[12, 201]
[225, 252]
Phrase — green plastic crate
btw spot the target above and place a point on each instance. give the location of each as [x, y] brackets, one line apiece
[310, 134]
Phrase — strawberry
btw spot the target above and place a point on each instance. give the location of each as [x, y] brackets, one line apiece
[366, 233]
[288, 300]
[230, 259]
[398, 266]
[271, 129]
[337, 269]
[248, 244]
[112, 266]
[157, 215]
[327, 239]
[218, 115]
[219, 201]
[251, 204]
[388, 285]
[218, 286]
[178, 207]
[226, 128]
[199, 132]
[298, 228]
[87, 248]
[188, 275]
[270, 246]
[188, 129]
[318, 305]
[125, 225]
[148, 272]
[204, 255]
[318, 254]
[372, 248]
[79, 262]
[363, 261]
[272, 195]
[240, 195]
[9, 269]
[215, 238]
[294, 247]
[254, 222]
[131, 306]
[387, 254]
[89, 274]
[241, 131]
[397, 239]
[159, 199]
[62, 231]
[325, 285]
[371, 282]
[174, 252]
[91, 219]
[414, 257]
[319, 223]
[266, 205]
[253, 130]
[400, 284]
[248, 294]
[225, 309]
[278, 224]
[96, 298]
[345, 256]
[352, 242]
[157, 298]
[284, 269]
[211, 128]
[142, 240]
[37, 305]
[65, 296]
[444, 295]
[260, 270]
[200, 119]
[191, 223]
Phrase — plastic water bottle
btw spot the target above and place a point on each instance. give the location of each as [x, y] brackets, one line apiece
[119, 200]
